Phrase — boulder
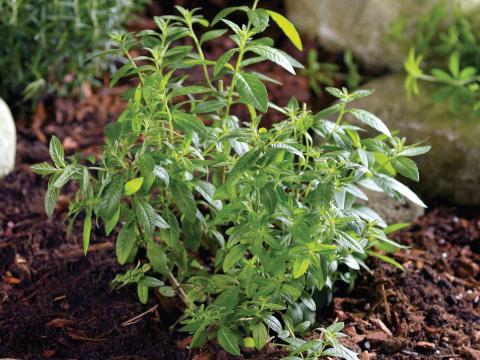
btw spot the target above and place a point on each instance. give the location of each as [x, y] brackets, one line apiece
[364, 25]
[390, 209]
[451, 170]
[7, 140]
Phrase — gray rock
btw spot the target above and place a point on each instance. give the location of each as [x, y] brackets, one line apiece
[390, 209]
[363, 25]
[451, 170]
[7, 140]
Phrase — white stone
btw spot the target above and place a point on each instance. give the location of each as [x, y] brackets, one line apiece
[7, 140]
[363, 25]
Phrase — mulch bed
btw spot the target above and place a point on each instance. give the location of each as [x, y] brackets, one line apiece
[56, 303]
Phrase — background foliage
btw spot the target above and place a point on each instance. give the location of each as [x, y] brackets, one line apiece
[447, 53]
[46, 45]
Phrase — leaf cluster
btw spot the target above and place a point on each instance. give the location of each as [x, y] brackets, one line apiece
[446, 53]
[249, 227]
[321, 74]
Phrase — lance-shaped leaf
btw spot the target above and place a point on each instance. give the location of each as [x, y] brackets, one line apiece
[370, 120]
[147, 216]
[288, 28]
[252, 91]
[273, 55]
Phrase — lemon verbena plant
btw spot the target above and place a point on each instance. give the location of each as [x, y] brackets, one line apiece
[249, 227]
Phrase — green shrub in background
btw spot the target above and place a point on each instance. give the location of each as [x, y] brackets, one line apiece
[249, 227]
[447, 53]
[45, 45]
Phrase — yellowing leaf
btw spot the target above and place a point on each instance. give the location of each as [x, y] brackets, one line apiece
[133, 186]
[300, 266]
[288, 28]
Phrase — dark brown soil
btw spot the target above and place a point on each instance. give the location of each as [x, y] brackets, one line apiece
[55, 303]
[432, 310]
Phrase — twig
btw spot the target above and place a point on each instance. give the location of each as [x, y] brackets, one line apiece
[176, 286]
[139, 317]
[106, 245]
[386, 304]
[83, 338]
[382, 326]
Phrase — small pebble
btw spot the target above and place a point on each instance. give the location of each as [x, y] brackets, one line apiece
[366, 345]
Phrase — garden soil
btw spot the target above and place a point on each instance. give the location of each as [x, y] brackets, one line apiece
[56, 303]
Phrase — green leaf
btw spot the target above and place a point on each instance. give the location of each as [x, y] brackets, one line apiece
[126, 241]
[290, 149]
[50, 200]
[65, 176]
[209, 106]
[87, 227]
[44, 169]
[167, 291]
[184, 199]
[406, 167]
[133, 186]
[370, 120]
[395, 227]
[348, 241]
[300, 266]
[147, 216]
[86, 187]
[227, 11]
[200, 337]
[307, 300]
[400, 188]
[162, 174]
[269, 198]
[222, 61]
[172, 234]
[142, 292]
[260, 335]
[228, 298]
[192, 234]
[189, 123]
[273, 55]
[111, 196]
[120, 73]
[252, 91]
[386, 259]
[288, 28]
[188, 90]
[149, 281]
[273, 323]
[157, 257]
[454, 64]
[233, 256]
[228, 340]
[111, 222]
[56, 152]
[414, 151]
[212, 34]
[243, 163]
[341, 352]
